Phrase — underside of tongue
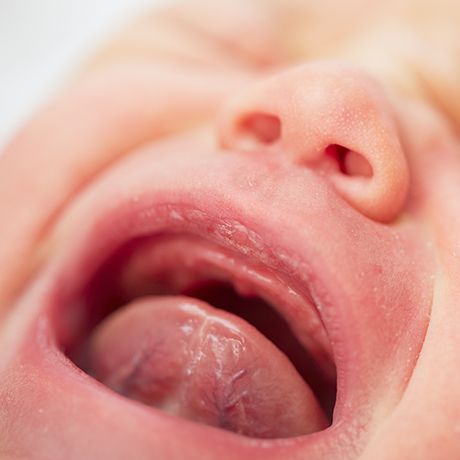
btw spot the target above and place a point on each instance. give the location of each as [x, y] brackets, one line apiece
[190, 359]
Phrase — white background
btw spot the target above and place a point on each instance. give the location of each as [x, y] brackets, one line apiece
[41, 41]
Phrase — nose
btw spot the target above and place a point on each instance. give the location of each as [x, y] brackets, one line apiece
[330, 117]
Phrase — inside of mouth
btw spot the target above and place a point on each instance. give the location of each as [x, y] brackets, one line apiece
[155, 267]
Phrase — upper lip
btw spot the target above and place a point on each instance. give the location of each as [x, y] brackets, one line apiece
[288, 218]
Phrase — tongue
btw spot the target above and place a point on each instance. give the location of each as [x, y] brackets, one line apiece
[189, 359]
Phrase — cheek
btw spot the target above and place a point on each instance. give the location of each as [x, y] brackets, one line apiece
[93, 124]
[313, 193]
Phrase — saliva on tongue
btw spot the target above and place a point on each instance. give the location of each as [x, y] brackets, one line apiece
[192, 360]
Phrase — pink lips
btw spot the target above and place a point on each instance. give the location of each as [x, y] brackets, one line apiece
[285, 219]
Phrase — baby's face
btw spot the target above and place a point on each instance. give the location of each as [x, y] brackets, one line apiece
[235, 236]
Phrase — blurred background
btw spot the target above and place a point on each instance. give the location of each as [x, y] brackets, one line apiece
[43, 41]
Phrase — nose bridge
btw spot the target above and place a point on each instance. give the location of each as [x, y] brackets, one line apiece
[331, 117]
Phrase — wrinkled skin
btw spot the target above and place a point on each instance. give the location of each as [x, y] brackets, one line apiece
[381, 80]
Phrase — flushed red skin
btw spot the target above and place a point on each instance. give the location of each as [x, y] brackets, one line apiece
[383, 273]
[229, 200]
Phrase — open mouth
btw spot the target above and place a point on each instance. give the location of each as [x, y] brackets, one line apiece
[270, 327]
[187, 326]
[223, 300]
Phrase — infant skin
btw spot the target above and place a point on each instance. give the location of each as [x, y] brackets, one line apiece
[235, 234]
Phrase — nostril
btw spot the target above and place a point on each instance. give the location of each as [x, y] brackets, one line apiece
[260, 128]
[331, 119]
[350, 163]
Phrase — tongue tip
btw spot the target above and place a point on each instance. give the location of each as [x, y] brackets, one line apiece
[190, 359]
